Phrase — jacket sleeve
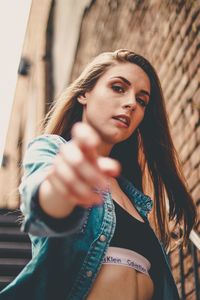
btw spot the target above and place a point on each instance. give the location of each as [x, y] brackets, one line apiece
[38, 158]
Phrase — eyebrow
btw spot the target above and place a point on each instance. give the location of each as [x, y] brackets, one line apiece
[123, 79]
[128, 82]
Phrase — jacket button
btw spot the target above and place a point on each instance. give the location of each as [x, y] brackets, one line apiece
[89, 273]
[102, 238]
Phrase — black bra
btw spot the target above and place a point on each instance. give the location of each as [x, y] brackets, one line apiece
[132, 234]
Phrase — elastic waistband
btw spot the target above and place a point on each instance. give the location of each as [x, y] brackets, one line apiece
[126, 257]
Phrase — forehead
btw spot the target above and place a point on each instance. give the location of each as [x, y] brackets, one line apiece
[132, 72]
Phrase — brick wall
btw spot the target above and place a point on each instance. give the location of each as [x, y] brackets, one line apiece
[167, 33]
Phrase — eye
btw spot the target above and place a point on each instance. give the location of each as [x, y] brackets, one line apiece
[142, 102]
[118, 88]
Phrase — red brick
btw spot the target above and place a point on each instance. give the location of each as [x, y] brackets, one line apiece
[194, 64]
[197, 134]
[194, 120]
[188, 148]
[187, 111]
[188, 263]
[176, 74]
[192, 296]
[193, 180]
[166, 48]
[191, 88]
[196, 193]
[195, 157]
[177, 95]
[190, 52]
[187, 168]
[174, 49]
[174, 258]
[181, 52]
[175, 112]
[178, 22]
[190, 19]
[189, 284]
[196, 100]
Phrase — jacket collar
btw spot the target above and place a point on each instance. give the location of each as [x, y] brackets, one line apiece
[143, 203]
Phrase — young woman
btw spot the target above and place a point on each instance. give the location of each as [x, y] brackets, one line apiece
[106, 143]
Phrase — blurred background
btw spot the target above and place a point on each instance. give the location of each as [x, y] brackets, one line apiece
[60, 38]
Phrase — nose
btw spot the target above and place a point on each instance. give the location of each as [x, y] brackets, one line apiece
[130, 104]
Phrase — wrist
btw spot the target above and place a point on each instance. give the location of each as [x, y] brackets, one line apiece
[52, 203]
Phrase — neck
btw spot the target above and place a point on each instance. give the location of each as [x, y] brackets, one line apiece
[104, 149]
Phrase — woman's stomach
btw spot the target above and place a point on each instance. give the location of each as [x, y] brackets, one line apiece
[121, 282]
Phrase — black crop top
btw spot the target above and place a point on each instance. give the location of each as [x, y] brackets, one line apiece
[138, 236]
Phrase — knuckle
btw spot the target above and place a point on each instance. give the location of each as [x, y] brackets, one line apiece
[57, 169]
[73, 155]
[50, 171]
[86, 134]
[77, 160]
[63, 192]
[66, 149]
[70, 178]
[57, 160]
[82, 189]
[62, 149]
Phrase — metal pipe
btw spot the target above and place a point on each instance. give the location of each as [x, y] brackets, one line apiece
[182, 277]
[195, 268]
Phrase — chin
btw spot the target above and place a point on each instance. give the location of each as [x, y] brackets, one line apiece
[113, 138]
[111, 135]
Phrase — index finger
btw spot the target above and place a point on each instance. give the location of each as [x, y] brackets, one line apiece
[87, 139]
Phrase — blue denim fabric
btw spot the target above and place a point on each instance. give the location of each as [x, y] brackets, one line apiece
[65, 264]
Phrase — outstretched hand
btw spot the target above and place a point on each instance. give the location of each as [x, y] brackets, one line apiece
[78, 168]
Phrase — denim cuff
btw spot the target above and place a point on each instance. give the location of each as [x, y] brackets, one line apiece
[57, 224]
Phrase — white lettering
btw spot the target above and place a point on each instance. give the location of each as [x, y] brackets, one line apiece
[127, 262]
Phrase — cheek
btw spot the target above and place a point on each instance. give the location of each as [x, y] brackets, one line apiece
[137, 120]
[101, 106]
[95, 112]
[140, 115]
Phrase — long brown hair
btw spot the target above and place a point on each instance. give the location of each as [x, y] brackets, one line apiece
[148, 155]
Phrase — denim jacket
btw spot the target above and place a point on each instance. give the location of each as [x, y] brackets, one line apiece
[65, 262]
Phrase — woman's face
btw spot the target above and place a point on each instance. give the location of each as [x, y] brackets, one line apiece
[116, 105]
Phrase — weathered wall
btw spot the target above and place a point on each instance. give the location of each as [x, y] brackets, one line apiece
[29, 102]
[167, 33]
[66, 26]
[49, 47]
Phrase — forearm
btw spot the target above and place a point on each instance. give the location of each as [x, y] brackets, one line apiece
[52, 203]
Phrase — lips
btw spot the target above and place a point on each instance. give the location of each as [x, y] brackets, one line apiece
[123, 118]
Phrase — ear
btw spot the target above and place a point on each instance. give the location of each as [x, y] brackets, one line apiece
[82, 99]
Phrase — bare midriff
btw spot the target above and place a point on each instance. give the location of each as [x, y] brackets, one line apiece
[119, 283]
